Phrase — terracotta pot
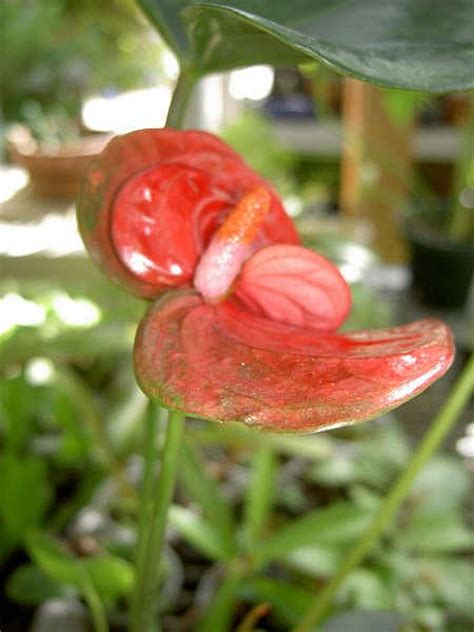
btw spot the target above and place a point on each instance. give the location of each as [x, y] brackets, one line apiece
[58, 174]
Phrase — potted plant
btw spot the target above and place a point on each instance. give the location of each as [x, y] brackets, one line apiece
[53, 151]
[442, 237]
[56, 53]
[174, 217]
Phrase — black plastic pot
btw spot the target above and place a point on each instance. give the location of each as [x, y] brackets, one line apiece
[442, 268]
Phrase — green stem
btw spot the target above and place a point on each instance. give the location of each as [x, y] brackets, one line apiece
[156, 495]
[96, 607]
[180, 100]
[146, 503]
[448, 415]
[155, 510]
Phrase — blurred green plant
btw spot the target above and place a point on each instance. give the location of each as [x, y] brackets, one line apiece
[55, 52]
[71, 422]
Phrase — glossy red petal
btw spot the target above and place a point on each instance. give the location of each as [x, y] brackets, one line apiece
[225, 363]
[294, 285]
[152, 200]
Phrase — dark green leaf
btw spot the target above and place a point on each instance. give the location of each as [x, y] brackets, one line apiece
[30, 586]
[424, 45]
[24, 496]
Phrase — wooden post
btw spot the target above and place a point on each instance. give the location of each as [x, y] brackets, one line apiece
[377, 162]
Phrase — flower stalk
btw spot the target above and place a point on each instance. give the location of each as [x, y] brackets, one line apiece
[447, 417]
[157, 493]
[154, 510]
[180, 99]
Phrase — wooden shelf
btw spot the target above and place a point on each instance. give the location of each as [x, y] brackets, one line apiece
[430, 144]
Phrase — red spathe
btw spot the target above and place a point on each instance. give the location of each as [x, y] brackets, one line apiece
[153, 199]
[227, 364]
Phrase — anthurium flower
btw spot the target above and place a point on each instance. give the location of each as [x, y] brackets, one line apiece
[244, 322]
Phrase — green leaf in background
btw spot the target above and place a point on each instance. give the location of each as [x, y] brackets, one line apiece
[436, 502]
[373, 459]
[424, 45]
[109, 575]
[53, 559]
[289, 601]
[203, 489]
[75, 443]
[198, 532]
[315, 561]
[338, 524]
[218, 614]
[441, 486]
[260, 492]
[17, 408]
[437, 533]
[252, 136]
[24, 497]
[366, 590]
[30, 586]
[356, 621]
[453, 581]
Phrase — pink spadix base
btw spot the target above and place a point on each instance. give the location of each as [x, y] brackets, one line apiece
[231, 246]
[218, 269]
